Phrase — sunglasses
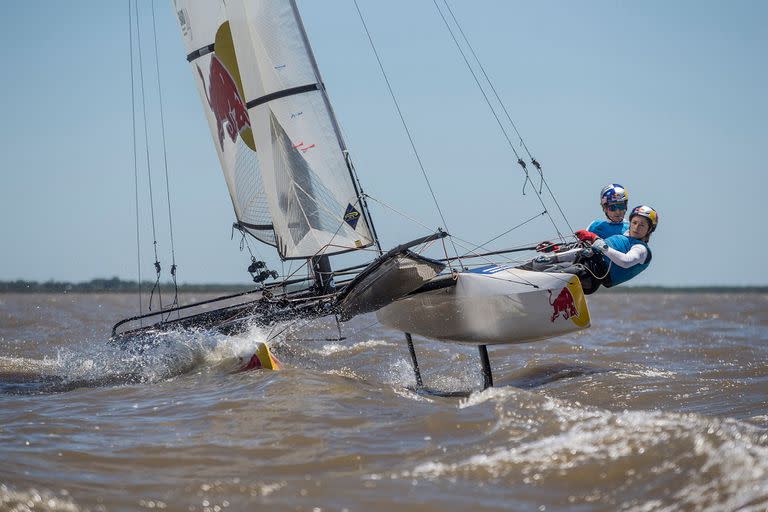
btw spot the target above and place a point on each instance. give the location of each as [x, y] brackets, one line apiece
[616, 207]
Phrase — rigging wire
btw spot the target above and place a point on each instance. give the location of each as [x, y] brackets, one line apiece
[479, 246]
[509, 118]
[405, 125]
[469, 248]
[135, 159]
[496, 116]
[149, 169]
[165, 162]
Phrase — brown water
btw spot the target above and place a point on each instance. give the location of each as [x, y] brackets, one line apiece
[661, 405]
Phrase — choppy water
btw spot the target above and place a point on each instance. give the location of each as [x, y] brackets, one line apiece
[661, 405]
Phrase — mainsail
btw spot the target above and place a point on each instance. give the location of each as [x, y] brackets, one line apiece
[211, 53]
[278, 141]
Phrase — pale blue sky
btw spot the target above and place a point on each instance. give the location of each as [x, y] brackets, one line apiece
[667, 98]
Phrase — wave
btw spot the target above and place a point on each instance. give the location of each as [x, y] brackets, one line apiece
[711, 463]
[149, 359]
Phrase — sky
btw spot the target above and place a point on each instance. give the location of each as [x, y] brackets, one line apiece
[667, 98]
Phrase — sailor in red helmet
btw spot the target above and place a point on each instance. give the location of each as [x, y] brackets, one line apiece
[610, 261]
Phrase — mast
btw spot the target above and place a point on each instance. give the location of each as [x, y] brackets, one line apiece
[336, 128]
[321, 265]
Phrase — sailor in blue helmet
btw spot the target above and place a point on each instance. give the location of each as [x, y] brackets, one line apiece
[613, 201]
[610, 261]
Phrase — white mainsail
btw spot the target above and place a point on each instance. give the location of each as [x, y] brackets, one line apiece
[278, 143]
[311, 194]
[210, 51]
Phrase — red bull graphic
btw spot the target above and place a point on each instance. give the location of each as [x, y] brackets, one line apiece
[253, 364]
[563, 304]
[224, 99]
[261, 358]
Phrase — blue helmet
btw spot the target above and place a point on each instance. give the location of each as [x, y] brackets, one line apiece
[613, 194]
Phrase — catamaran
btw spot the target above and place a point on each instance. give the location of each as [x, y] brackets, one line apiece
[294, 188]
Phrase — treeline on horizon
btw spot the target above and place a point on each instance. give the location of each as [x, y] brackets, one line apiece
[113, 285]
[117, 285]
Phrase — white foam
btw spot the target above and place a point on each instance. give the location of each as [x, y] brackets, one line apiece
[33, 499]
[486, 395]
[734, 454]
[400, 374]
[411, 395]
[26, 365]
[239, 345]
[267, 489]
[335, 348]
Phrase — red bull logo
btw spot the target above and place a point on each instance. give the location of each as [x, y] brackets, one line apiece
[226, 104]
[261, 358]
[253, 364]
[563, 304]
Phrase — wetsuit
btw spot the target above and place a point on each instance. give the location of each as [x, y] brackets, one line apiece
[624, 258]
[627, 257]
[605, 228]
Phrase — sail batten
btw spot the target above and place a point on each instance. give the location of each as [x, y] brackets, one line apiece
[282, 94]
[205, 50]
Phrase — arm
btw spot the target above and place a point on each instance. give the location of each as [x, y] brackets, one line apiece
[636, 255]
[564, 256]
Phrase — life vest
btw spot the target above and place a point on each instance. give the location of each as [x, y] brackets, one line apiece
[605, 228]
[617, 274]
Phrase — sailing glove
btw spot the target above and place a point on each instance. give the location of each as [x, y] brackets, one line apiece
[586, 236]
[547, 246]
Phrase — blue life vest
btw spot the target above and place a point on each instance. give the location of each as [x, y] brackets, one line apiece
[623, 243]
[605, 228]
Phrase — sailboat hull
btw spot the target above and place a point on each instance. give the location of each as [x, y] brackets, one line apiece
[493, 305]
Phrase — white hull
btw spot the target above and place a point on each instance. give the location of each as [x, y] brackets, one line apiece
[493, 305]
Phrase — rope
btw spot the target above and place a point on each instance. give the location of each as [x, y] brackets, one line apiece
[607, 270]
[135, 153]
[290, 324]
[405, 125]
[469, 248]
[482, 245]
[458, 241]
[165, 162]
[390, 207]
[321, 251]
[149, 169]
[361, 198]
[496, 116]
[363, 329]
[509, 118]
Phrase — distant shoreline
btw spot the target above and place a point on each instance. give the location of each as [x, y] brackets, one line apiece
[116, 285]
